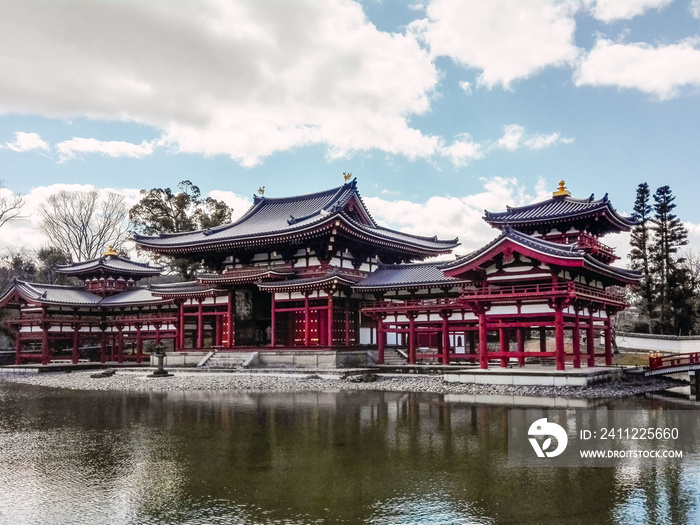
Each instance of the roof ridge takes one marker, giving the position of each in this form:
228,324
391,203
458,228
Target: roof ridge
332,191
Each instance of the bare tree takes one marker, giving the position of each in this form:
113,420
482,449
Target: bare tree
82,225
10,207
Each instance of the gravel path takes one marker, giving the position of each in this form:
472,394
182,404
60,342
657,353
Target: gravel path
266,382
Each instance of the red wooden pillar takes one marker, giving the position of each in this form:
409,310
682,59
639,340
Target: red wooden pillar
220,328
483,342
521,346
307,321
120,344
608,343
347,322
576,336
504,345
445,338
330,319
139,344
411,339
273,322
200,324
18,347
103,347
45,350
76,343
181,327
560,355
231,316
381,340
590,349
543,339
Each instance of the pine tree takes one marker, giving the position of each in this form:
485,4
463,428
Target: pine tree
640,241
669,235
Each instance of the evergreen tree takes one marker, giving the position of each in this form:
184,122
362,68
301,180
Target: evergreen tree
640,241
161,210
669,235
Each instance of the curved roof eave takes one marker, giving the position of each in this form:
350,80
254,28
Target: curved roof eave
548,250
380,234
621,222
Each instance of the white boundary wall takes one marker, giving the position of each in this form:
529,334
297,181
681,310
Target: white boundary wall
658,343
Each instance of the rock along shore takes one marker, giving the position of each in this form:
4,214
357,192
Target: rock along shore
183,380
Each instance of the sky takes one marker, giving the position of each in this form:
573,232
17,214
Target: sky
441,109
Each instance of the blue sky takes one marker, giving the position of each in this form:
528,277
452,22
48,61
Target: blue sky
440,109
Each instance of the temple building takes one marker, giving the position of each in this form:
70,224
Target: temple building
317,272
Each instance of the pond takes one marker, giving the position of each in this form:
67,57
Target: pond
83,457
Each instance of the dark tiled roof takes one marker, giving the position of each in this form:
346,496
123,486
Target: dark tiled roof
333,276
248,276
55,294
269,217
559,209
406,276
184,288
110,264
560,251
139,295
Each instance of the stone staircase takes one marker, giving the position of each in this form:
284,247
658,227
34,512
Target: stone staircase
229,360
394,357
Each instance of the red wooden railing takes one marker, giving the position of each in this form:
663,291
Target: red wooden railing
516,291
593,246
658,361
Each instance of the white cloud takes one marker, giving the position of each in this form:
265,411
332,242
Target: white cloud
695,8
611,10
68,149
463,150
221,77
659,71
450,217
27,142
466,87
239,204
506,39
514,137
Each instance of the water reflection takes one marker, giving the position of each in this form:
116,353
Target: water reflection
333,457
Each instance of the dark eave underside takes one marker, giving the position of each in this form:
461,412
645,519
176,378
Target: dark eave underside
557,251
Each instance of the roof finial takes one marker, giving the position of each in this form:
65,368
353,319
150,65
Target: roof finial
111,251
347,176
261,190
561,191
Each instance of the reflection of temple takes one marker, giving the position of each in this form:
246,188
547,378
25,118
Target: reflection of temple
316,271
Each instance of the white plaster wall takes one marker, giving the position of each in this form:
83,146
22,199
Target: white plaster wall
658,344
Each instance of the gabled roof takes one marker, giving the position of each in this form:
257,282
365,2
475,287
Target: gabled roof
404,276
55,294
248,276
51,294
136,296
184,289
333,277
567,255
110,265
274,219
562,210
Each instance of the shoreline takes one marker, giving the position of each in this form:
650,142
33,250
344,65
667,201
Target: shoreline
182,380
